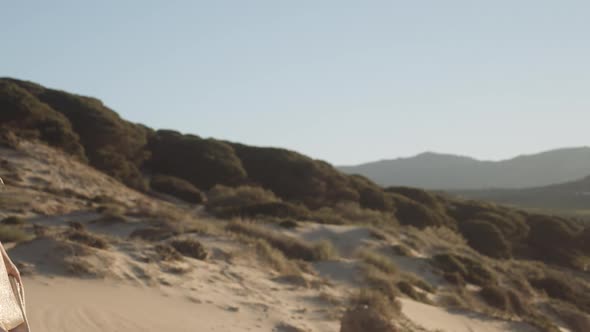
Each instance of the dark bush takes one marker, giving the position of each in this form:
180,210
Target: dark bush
496,297
29,117
153,234
8,139
202,162
289,224
178,188
418,215
12,220
562,288
300,179
417,195
454,278
485,238
191,248
167,253
370,196
409,290
553,239
271,209
511,224
471,270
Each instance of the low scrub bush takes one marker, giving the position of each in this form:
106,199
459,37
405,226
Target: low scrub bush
496,297
566,289
270,209
87,239
178,188
471,270
222,198
418,215
12,220
152,233
167,253
191,248
486,238
574,319
9,233
8,139
455,279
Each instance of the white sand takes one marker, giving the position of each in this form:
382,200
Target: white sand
69,305
436,318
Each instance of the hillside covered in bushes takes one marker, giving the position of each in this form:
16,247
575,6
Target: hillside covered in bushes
239,180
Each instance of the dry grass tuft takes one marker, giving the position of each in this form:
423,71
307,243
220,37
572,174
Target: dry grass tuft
275,258
87,239
375,300
291,247
381,262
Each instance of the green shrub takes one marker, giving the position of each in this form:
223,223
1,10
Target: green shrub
177,187
485,238
191,248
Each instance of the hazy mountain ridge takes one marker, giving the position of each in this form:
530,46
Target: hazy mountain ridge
574,195
443,171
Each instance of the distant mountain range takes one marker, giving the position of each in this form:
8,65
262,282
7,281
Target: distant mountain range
450,172
570,196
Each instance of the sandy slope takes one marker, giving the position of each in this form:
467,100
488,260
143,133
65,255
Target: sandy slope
132,293
84,305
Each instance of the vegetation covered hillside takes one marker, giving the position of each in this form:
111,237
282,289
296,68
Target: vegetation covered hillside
570,197
241,180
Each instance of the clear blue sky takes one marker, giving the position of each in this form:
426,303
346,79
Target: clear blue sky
343,81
